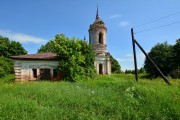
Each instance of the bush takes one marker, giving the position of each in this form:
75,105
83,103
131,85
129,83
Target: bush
76,57
175,73
2,72
161,54
6,66
116,68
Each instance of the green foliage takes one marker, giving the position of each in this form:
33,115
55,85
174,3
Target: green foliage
166,57
16,48
176,55
10,48
115,67
129,71
162,55
116,97
76,57
2,72
4,46
140,71
175,73
9,78
6,66
47,48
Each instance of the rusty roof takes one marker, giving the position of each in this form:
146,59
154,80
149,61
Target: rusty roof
38,56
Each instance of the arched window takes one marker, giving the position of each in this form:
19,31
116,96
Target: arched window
100,38
100,68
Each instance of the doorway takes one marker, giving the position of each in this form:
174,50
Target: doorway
100,69
45,74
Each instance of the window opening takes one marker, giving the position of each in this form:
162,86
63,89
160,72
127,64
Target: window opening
34,73
100,69
100,38
55,73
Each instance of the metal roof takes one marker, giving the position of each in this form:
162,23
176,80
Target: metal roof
38,56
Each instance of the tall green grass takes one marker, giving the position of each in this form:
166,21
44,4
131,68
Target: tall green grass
105,97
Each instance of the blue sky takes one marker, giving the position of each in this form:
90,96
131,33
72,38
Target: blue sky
35,22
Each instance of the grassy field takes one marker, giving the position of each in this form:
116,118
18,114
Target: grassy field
105,97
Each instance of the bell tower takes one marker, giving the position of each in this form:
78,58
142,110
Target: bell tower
97,38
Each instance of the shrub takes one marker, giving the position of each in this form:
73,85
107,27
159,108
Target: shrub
76,57
6,66
2,72
175,73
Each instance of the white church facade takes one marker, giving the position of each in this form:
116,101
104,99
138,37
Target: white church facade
43,65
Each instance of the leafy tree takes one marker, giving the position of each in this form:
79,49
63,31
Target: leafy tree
16,48
175,73
176,54
4,46
128,71
6,66
141,70
10,48
76,57
161,54
116,68
47,48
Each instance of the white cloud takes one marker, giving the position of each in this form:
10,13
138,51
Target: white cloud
128,61
124,59
130,57
124,23
114,16
23,38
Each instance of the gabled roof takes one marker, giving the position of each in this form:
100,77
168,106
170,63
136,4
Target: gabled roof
38,56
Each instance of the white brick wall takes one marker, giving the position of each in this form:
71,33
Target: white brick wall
23,68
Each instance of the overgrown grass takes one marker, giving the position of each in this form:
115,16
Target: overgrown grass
105,97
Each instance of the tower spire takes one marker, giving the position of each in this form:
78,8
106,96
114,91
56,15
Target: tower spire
97,13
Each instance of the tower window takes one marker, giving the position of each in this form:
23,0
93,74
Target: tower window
89,39
100,38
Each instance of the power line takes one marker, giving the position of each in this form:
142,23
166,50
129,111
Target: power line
157,27
157,19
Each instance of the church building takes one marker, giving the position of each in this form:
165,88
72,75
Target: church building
42,66
97,38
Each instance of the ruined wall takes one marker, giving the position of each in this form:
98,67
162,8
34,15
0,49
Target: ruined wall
105,61
94,36
23,68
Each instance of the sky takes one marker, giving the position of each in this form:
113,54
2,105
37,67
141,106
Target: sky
34,22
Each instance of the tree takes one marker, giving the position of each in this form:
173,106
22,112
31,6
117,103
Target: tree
161,54
10,48
116,68
47,48
128,72
76,57
175,73
176,54
16,48
6,66
4,46
141,70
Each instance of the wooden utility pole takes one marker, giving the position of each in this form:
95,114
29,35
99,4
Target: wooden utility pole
134,52
162,75
135,61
